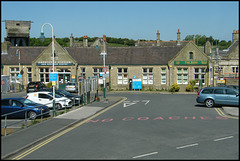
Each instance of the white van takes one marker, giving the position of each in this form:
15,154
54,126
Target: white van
46,98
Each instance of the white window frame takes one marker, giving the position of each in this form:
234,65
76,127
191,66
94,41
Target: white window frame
163,76
44,75
147,75
96,72
14,71
29,74
200,74
182,75
122,77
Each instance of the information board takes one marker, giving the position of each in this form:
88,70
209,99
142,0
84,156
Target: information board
53,76
136,83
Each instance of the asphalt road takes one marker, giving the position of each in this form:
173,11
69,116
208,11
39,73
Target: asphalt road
149,126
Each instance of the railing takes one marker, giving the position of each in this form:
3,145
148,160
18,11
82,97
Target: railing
26,118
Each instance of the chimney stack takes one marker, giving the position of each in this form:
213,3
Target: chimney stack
85,41
235,36
104,49
207,47
178,37
71,40
158,38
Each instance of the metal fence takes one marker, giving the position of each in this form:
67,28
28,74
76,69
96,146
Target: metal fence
85,87
8,86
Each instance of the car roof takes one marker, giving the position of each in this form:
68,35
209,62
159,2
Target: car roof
13,98
40,92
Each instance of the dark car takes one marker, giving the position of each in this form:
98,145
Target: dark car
211,96
35,86
75,99
9,105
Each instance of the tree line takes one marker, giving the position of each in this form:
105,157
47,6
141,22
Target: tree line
200,40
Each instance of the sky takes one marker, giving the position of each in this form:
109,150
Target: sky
125,19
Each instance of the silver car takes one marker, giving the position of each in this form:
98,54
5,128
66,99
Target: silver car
71,87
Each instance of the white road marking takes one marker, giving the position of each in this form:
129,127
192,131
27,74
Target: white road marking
146,101
186,146
127,104
145,155
229,137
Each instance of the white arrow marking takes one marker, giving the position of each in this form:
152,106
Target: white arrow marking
127,104
146,101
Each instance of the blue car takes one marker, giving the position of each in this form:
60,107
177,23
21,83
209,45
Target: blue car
9,105
211,96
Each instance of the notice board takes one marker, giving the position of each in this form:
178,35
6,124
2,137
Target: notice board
136,83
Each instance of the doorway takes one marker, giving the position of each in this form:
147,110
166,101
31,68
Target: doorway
63,78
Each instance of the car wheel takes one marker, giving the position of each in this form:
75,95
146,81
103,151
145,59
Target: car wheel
209,103
32,115
58,106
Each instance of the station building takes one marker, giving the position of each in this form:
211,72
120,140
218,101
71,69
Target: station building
158,64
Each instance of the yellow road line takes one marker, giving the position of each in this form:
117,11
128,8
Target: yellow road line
63,132
223,115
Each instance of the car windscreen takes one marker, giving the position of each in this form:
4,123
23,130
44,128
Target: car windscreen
27,101
56,95
64,92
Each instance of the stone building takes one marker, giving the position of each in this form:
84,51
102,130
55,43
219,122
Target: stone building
226,63
157,66
18,32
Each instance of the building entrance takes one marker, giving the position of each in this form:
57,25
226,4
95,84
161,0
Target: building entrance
63,78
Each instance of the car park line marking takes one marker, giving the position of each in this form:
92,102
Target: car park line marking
146,101
145,155
229,137
186,146
63,132
223,115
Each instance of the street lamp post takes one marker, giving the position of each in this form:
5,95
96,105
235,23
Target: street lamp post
104,78
42,37
18,53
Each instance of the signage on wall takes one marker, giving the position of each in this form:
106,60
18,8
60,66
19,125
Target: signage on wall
190,62
136,83
57,63
53,76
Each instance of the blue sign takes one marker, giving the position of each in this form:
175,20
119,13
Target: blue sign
19,76
137,84
53,77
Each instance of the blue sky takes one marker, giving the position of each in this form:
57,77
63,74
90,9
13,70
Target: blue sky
125,19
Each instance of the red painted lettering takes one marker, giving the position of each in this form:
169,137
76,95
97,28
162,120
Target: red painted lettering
190,117
91,121
205,118
221,118
107,120
174,118
143,118
158,118
128,118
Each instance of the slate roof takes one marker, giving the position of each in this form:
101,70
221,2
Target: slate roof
155,55
225,53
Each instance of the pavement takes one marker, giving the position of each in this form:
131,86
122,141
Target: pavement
25,138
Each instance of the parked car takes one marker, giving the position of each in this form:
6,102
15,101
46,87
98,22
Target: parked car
75,99
71,87
9,105
35,86
46,98
211,96
233,87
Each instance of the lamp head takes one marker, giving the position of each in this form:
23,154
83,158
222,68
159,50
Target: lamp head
42,37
